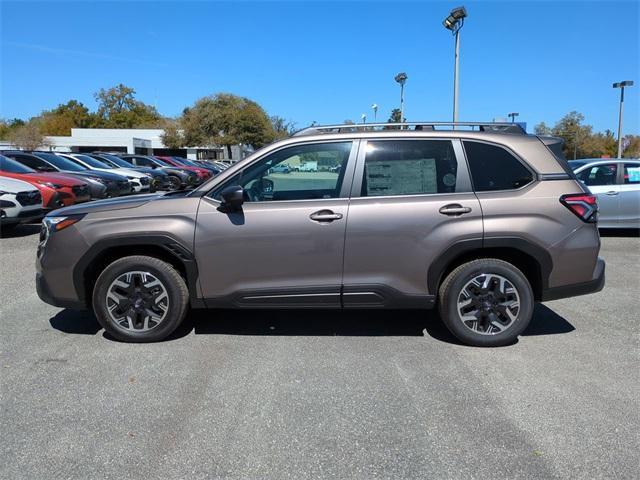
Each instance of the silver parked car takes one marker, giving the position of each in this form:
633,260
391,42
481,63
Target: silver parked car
479,223
616,183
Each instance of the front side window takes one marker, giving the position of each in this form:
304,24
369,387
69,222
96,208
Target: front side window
494,168
409,167
632,173
301,172
599,175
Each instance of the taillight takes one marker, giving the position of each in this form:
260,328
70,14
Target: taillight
583,206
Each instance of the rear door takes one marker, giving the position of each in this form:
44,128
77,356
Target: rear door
630,196
410,199
603,182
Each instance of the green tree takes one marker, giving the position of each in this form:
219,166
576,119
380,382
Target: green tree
172,136
64,117
118,108
396,116
282,128
226,119
542,129
8,126
633,148
574,134
28,136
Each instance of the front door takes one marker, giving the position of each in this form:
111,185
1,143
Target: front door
285,247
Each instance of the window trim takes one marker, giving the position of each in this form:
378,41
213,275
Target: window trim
463,168
534,175
345,188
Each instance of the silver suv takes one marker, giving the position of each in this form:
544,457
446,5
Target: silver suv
478,220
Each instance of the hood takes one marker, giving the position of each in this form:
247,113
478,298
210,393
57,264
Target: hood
118,203
11,185
60,178
98,174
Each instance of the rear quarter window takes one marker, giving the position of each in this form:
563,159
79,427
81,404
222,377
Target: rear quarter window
494,168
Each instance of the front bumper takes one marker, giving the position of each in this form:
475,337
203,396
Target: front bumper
592,286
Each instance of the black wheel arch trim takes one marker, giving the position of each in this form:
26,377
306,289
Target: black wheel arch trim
459,248
170,244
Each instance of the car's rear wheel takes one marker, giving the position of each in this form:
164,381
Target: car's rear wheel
140,299
486,302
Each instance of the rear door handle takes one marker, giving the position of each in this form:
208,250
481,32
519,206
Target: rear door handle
611,192
454,209
325,216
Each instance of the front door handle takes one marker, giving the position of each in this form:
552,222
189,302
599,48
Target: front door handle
454,209
611,192
325,216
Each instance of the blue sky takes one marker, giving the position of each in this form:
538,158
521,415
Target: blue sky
327,61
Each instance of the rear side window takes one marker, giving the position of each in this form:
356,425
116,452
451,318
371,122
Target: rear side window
494,168
599,175
409,167
632,173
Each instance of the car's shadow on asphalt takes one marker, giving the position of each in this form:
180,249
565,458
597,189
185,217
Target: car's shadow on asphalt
23,230
358,323
620,232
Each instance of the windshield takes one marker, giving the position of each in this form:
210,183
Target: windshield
11,166
116,161
59,162
575,164
92,162
162,163
184,161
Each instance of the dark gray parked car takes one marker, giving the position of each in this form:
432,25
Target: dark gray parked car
480,224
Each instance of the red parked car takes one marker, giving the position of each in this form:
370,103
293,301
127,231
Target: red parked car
57,190
203,173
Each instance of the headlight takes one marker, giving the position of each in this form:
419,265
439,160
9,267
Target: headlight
50,185
57,223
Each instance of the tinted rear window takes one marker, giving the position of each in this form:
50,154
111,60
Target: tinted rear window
494,168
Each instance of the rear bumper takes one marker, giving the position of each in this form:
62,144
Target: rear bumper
592,286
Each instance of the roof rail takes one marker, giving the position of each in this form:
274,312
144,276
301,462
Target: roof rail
495,127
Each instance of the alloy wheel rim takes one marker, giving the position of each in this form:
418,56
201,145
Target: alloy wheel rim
174,183
137,301
488,304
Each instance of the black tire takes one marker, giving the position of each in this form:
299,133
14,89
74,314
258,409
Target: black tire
174,183
177,296
451,290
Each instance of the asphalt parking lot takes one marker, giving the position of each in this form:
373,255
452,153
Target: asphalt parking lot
264,394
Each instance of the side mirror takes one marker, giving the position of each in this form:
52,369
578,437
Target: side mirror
232,198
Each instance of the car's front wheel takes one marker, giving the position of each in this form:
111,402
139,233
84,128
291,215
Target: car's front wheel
486,302
140,299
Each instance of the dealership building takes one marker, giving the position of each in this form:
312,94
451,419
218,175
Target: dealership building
146,141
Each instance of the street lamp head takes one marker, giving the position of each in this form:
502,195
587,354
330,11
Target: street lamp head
455,19
626,83
513,114
374,106
401,78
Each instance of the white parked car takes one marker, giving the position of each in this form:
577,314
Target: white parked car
616,182
20,202
141,181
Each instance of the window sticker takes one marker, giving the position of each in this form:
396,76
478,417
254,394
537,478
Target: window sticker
634,174
401,177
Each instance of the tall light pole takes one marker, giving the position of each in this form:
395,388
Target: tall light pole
454,22
401,78
364,118
513,116
621,85
374,107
